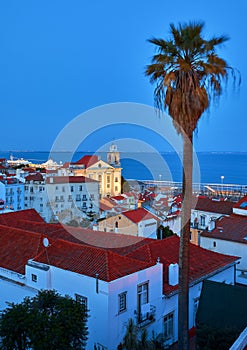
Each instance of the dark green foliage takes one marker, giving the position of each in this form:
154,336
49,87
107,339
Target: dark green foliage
46,321
164,232
134,339
211,338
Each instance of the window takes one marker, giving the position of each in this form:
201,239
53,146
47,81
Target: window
142,291
202,220
116,188
168,326
56,188
81,299
122,305
80,188
91,196
214,244
108,179
72,188
100,178
116,179
84,197
40,189
34,278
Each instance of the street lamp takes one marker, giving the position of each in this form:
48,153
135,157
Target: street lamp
222,180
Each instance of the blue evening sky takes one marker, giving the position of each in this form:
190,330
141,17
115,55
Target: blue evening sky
60,58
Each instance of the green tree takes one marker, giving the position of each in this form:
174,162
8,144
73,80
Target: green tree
164,232
188,74
46,321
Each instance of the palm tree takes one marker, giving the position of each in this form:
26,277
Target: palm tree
188,74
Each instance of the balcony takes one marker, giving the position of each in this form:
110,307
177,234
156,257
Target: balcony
146,317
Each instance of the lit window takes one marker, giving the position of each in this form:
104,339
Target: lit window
34,278
122,299
168,326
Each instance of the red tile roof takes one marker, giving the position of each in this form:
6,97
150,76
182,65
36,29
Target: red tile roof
138,215
240,204
202,262
9,219
229,228
34,177
214,206
89,252
87,161
118,198
68,179
17,247
90,261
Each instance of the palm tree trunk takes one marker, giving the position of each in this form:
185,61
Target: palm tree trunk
183,297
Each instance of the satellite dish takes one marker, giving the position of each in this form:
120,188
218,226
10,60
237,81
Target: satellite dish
45,242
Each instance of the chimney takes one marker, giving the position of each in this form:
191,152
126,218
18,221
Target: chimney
173,274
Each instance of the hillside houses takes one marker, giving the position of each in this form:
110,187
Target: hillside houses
118,276
138,222
61,197
229,236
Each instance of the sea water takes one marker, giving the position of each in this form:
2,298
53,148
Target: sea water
213,167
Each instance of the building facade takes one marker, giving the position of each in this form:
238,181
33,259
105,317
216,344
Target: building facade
107,174
61,197
12,193
137,280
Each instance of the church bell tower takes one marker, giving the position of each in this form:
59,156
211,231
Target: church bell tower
113,156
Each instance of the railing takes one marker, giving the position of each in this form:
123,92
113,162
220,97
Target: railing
207,188
144,320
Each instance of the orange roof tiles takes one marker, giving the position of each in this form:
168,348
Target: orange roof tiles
202,261
34,177
230,228
28,214
17,247
90,261
89,252
138,215
87,161
214,206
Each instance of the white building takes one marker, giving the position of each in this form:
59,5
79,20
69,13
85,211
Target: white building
12,193
123,277
229,236
138,222
61,197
